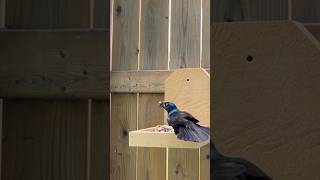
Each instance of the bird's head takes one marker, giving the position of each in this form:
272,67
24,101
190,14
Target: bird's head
168,106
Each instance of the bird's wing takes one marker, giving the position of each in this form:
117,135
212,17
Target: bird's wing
185,115
227,170
190,131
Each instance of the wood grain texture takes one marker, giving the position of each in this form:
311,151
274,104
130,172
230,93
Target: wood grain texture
102,13
315,30
154,34
185,34
306,11
48,14
45,140
123,119
205,56
151,161
249,10
189,89
205,162
54,64
265,96
125,43
138,81
100,142
183,164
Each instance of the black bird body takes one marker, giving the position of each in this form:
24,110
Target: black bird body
184,124
229,168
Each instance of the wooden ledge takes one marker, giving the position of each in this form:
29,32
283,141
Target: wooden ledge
144,138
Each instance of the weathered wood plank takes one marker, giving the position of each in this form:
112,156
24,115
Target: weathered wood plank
48,14
266,96
151,161
205,163
249,10
102,14
138,81
306,11
183,164
44,139
205,52
154,34
123,120
125,43
100,142
54,64
185,34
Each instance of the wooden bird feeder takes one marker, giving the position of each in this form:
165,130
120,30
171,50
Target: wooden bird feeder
189,89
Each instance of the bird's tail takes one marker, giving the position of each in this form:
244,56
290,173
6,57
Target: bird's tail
194,132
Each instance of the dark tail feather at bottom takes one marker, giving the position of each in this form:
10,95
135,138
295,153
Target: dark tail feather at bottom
194,132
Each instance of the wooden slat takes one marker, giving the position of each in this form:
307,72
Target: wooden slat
151,161
2,13
48,14
265,97
100,142
123,120
154,56
1,135
44,139
138,81
306,11
185,52
249,10
205,163
185,33
205,56
125,51
183,164
154,34
54,64
125,42
101,14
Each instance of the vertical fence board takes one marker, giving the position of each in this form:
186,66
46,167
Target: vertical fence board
44,140
47,14
306,11
124,106
101,13
154,53
184,52
123,120
125,35
154,34
185,34
205,163
151,161
249,10
2,13
183,164
99,169
205,56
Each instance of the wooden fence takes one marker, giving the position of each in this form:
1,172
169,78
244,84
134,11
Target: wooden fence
150,38
54,87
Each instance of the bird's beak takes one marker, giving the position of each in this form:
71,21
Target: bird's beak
161,103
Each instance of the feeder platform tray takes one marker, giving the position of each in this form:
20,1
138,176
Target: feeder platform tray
160,136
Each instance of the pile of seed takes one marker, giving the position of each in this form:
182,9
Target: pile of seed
161,128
